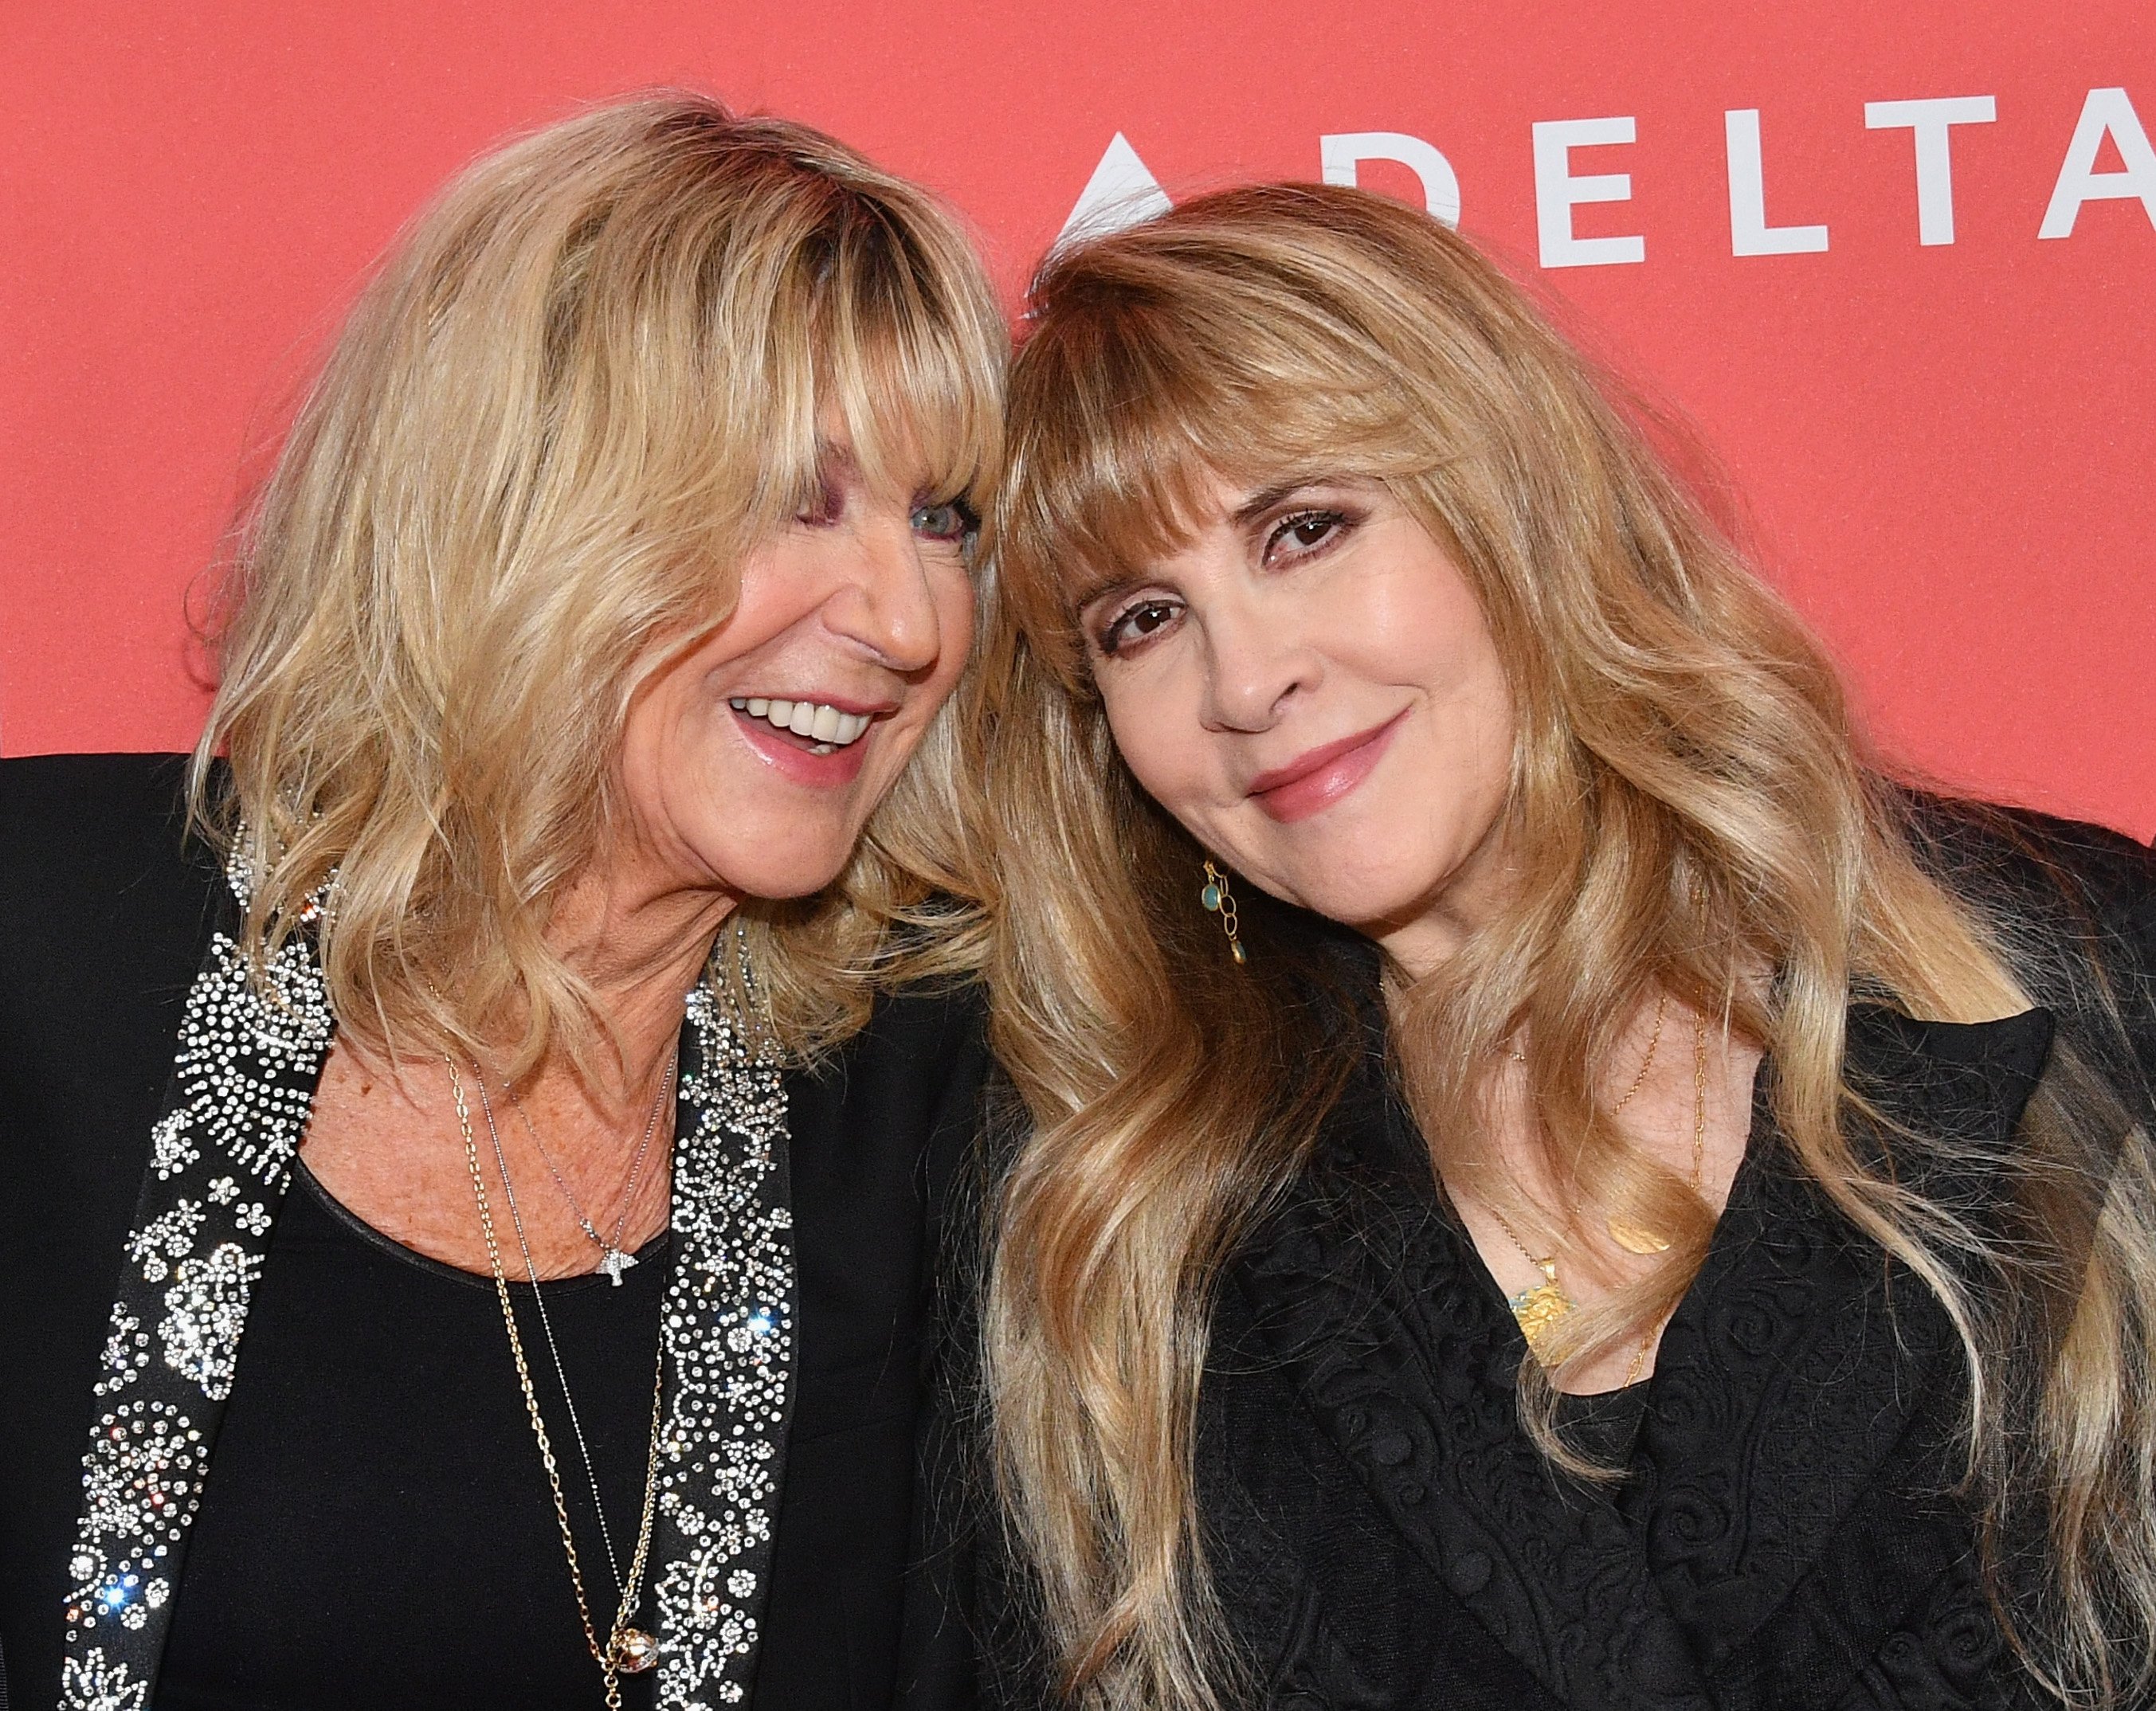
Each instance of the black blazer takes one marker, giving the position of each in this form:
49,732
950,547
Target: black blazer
1383,1536
106,914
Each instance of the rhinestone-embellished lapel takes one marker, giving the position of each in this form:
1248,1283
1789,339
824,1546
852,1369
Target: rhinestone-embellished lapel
249,1055
249,1059
729,1314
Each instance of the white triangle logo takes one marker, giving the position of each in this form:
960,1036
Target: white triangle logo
1120,192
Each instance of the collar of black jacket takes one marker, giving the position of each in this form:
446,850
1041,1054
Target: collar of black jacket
1783,1502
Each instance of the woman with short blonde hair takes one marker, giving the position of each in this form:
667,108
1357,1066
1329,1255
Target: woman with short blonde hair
487,1067
1436,876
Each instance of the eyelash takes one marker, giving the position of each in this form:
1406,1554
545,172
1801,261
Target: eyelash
829,504
1109,640
969,524
1337,522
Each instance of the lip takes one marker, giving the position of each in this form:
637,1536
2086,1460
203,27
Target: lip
1319,778
840,767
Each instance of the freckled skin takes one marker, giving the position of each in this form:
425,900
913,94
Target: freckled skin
869,603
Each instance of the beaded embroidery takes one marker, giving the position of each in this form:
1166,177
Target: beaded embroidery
248,1057
729,1330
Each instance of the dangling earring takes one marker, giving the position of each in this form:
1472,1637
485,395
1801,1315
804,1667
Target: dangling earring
1220,901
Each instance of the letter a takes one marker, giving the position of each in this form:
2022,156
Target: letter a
1120,192
2106,113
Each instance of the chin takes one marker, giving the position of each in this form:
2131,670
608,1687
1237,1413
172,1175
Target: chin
782,881
1363,901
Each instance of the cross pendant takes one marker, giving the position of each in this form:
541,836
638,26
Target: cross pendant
614,1263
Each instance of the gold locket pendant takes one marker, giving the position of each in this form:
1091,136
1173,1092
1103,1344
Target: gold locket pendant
1540,1310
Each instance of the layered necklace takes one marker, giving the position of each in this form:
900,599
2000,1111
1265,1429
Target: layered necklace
627,1649
1540,1311
615,1259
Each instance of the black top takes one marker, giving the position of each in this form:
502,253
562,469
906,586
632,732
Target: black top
376,1480
375,1527
1382,1534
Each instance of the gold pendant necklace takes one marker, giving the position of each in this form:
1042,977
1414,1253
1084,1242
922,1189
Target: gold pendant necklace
629,1650
1540,1311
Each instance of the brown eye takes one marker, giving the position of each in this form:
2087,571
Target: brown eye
1136,623
1305,532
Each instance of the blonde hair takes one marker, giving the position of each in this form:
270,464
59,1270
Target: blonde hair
590,377
1689,805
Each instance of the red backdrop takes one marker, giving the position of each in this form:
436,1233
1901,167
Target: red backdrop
1945,446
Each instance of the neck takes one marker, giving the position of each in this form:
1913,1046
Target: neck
1431,933
640,946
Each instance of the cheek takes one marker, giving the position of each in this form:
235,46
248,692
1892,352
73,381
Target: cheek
954,627
1163,747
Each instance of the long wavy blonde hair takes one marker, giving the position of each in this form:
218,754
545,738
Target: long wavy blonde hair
591,375
1690,806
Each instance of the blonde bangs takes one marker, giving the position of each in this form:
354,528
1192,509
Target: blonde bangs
917,379
1135,404
605,364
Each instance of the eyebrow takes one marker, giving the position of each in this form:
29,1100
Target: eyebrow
1114,588
836,460
1266,498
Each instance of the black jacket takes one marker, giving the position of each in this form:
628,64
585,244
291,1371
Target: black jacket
1381,1534
107,917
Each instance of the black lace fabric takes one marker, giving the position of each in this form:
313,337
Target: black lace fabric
1384,1534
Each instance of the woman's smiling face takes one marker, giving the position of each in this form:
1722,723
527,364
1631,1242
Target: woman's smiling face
1309,686
752,759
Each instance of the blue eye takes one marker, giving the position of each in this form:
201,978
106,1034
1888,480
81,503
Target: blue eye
946,520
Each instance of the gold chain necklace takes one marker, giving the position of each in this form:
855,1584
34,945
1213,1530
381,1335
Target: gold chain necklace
628,1650
1540,1311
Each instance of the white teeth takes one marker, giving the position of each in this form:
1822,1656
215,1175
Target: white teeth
828,726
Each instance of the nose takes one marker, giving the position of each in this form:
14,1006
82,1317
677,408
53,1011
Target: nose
885,601
1254,665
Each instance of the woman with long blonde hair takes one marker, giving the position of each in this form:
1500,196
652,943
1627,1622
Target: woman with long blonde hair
466,1163
1548,1180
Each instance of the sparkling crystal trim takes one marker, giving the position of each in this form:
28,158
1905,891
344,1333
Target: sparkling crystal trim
249,1052
249,1055
729,1331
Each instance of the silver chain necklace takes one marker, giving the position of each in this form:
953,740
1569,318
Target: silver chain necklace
546,1327
628,1650
614,1258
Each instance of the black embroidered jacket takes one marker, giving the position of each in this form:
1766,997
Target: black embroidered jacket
151,1103
1383,1535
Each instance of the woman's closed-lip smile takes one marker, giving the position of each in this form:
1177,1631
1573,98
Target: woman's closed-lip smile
1318,778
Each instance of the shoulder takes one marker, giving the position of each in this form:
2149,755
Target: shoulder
1983,844
2043,879
913,1075
71,820
2074,907
103,891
